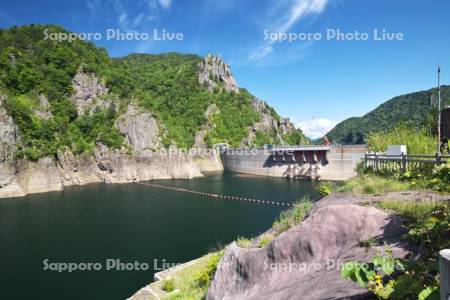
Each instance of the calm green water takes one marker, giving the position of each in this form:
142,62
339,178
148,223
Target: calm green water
129,222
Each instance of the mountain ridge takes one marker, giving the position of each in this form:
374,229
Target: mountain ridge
414,109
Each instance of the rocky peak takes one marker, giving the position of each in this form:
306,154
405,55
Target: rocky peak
214,73
90,93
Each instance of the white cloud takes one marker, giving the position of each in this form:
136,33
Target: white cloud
128,21
165,3
285,15
261,52
317,127
123,19
138,20
93,6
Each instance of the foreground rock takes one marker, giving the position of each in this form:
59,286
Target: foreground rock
304,262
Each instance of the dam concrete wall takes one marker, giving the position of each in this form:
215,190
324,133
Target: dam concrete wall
339,163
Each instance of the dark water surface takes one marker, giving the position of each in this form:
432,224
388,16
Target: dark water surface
130,222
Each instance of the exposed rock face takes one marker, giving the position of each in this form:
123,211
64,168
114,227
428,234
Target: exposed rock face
77,170
209,124
301,263
140,128
212,69
25,177
43,111
90,93
286,126
267,123
119,167
9,133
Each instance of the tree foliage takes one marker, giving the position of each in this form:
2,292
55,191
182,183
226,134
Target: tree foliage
417,140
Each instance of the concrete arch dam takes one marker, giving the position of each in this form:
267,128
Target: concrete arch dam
316,162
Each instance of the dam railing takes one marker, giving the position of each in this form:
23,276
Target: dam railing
403,162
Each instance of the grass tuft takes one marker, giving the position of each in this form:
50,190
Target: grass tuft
412,210
293,216
243,242
371,184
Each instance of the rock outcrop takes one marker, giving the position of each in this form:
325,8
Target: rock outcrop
43,111
267,123
9,133
118,167
305,262
140,129
215,74
25,177
90,93
209,124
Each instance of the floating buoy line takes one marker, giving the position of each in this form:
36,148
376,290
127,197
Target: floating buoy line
212,195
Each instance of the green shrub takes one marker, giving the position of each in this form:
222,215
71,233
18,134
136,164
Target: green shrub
417,140
291,217
389,278
205,277
264,242
441,178
168,285
326,188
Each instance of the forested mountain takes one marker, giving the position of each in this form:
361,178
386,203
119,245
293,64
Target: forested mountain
416,109
72,95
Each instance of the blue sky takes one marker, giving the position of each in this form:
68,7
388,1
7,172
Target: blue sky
315,83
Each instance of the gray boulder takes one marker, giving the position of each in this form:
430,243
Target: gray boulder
305,262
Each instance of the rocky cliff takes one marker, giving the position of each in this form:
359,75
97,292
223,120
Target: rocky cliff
90,93
141,158
139,128
269,123
9,133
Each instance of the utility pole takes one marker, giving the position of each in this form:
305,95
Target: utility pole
439,110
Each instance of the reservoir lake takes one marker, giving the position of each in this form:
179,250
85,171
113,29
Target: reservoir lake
128,222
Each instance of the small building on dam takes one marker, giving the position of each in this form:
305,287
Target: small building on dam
316,162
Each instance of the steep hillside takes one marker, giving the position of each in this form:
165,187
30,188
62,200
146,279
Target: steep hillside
71,95
414,109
